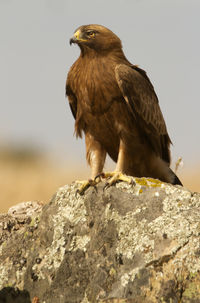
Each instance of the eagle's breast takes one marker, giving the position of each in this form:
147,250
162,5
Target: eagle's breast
95,86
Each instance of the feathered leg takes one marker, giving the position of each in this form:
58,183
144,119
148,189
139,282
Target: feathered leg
95,155
121,168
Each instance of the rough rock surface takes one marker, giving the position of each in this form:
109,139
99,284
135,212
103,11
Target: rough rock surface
124,244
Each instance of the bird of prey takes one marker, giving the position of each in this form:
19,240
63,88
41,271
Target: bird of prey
114,104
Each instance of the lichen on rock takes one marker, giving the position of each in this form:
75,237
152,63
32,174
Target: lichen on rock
124,244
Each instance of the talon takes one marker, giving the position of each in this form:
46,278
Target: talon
95,188
101,175
105,186
85,185
132,182
115,177
77,192
80,192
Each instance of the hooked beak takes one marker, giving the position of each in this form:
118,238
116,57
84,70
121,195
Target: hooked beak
77,37
72,40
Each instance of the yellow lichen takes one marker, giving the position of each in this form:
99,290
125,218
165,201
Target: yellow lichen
34,221
141,181
112,272
149,182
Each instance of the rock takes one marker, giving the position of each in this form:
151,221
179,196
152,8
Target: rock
25,209
124,244
18,217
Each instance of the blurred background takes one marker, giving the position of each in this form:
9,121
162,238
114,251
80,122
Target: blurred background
38,152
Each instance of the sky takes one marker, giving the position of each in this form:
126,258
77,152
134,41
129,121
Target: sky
161,36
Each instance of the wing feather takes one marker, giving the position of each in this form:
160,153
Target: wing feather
72,100
139,94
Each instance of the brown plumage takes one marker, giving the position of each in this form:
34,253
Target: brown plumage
114,104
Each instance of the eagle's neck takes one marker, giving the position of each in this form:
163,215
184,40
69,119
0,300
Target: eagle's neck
115,53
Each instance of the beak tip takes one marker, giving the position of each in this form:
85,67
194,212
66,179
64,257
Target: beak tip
71,41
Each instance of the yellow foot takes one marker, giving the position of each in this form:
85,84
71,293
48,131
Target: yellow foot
115,177
85,184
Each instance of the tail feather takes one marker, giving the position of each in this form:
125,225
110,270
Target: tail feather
176,180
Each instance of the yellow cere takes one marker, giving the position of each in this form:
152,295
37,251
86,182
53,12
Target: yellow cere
77,34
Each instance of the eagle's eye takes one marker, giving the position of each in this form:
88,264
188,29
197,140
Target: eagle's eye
90,34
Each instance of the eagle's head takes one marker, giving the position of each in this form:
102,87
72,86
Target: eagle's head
96,37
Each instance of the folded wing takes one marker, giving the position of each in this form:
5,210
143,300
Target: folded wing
142,101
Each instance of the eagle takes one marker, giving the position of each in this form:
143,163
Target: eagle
115,106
